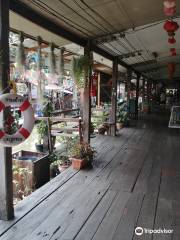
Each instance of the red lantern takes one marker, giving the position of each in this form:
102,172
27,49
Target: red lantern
173,51
94,80
171,67
171,26
170,12
169,3
172,40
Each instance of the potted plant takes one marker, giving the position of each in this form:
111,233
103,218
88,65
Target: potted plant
81,67
81,155
122,116
54,169
64,163
42,130
122,120
92,128
42,127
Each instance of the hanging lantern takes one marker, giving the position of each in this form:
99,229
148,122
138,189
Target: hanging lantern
173,51
170,26
172,40
20,54
171,67
40,87
61,66
52,59
94,81
170,12
169,3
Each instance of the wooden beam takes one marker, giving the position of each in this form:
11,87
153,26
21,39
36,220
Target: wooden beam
6,186
27,12
114,97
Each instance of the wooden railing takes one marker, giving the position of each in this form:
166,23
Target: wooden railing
65,131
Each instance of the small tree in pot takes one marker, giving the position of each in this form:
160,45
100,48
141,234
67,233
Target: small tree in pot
82,155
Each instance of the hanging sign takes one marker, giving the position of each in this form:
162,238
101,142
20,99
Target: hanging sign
17,101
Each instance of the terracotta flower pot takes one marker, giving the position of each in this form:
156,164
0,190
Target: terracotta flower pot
119,125
63,167
78,163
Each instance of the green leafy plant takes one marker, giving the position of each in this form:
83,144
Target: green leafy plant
42,130
42,127
82,151
58,159
122,113
81,68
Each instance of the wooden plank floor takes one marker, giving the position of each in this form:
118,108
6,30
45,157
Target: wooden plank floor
134,183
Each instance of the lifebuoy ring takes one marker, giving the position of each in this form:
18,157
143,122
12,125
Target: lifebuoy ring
14,100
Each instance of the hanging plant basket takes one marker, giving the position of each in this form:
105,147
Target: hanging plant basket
81,69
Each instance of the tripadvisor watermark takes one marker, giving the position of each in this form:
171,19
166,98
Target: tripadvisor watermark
139,231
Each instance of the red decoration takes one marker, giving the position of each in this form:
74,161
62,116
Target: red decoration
170,12
171,34
172,40
171,67
170,3
173,51
94,85
171,26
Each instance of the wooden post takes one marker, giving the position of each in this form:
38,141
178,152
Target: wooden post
114,97
148,91
99,90
86,100
143,91
128,87
6,186
137,95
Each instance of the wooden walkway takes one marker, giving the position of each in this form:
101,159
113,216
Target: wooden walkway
135,182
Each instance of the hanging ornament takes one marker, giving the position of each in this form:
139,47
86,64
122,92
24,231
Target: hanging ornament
173,51
94,82
170,26
61,66
172,40
171,34
170,12
40,87
171,67
20,54
170,8
170,3
52,60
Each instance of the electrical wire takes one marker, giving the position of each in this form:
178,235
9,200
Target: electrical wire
102,18
65,4
64,19
97,14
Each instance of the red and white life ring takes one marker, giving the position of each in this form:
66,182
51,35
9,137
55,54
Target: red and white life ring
14,100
